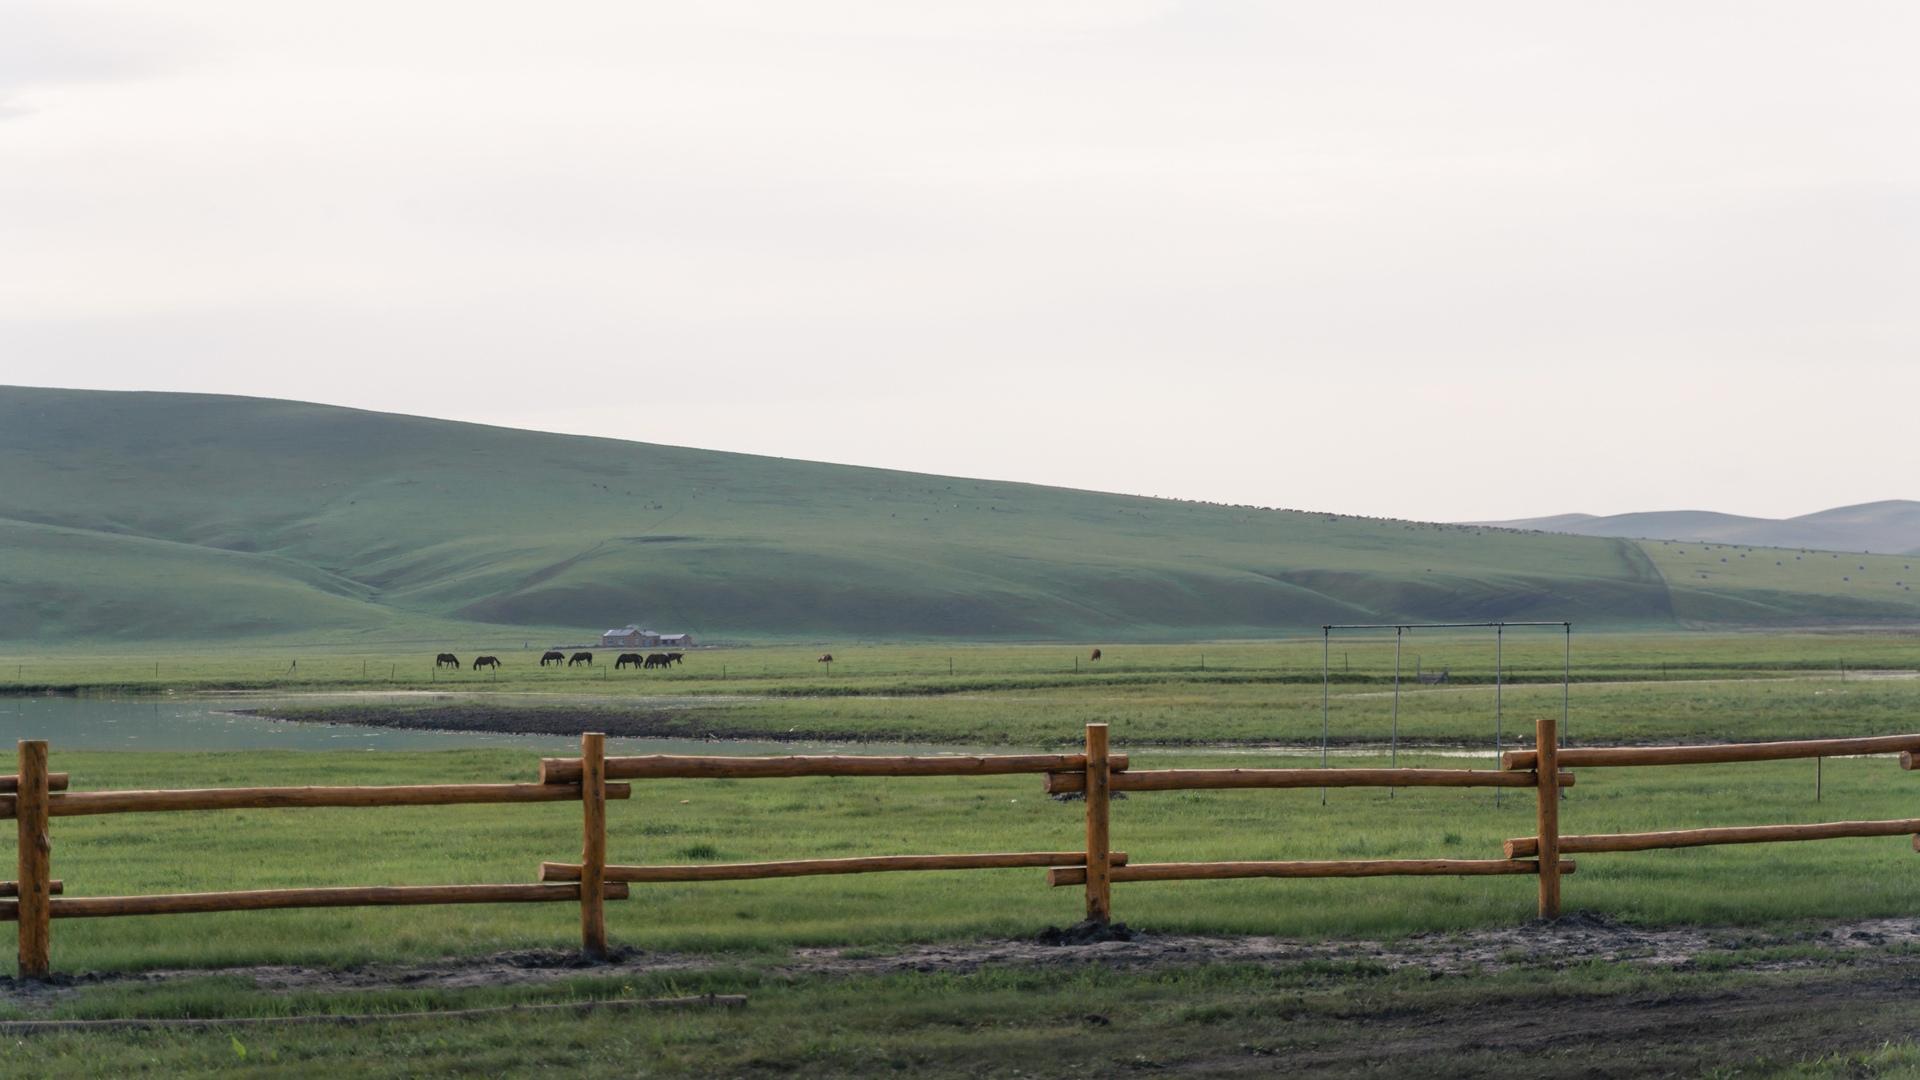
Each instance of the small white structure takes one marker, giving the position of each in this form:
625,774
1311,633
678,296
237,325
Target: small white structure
636,637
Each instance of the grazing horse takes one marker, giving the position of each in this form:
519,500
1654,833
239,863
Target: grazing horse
447,659
655,660
1095,656
486,661
674,658
551,657
626,658
825,658
580,658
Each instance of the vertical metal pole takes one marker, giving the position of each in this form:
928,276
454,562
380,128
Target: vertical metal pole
1099,874
1393,752
1499,670
1566,690
1326,676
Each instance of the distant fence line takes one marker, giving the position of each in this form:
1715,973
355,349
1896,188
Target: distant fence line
35,795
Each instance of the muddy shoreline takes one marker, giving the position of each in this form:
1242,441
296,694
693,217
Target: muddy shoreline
713,722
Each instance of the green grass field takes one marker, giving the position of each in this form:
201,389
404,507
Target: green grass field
729,821
1164,710
134,518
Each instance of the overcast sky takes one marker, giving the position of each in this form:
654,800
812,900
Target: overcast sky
1445,261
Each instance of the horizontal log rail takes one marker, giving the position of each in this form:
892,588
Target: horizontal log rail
349,896
56,781
1720,753
1063,783
787,868
1331,868
1525,847
34,796
720,767
83,803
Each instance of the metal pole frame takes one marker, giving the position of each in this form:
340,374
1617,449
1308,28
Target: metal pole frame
1326,697
1499,681
1393,747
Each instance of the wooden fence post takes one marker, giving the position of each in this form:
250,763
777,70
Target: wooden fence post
593,848
1547,788
1099,877
36,850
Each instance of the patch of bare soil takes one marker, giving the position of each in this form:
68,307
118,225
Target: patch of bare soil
1747,1029
1576,939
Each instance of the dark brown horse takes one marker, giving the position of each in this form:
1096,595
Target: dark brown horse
551,657
626,658
580,658
486,662
674,658
825,658
1095,656
447,659
655,660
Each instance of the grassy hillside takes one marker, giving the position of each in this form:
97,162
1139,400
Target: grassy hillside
1892,525
132,516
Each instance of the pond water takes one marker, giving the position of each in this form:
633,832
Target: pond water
186,722
211,722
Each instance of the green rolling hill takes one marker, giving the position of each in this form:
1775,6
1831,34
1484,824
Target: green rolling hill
138,517
1892,525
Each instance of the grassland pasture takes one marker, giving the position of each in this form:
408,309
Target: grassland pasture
1768,910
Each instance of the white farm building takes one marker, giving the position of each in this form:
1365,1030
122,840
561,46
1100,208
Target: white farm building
635,637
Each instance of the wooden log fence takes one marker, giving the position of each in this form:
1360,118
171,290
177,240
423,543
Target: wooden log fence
1719,753
33,796
785,868
1062,783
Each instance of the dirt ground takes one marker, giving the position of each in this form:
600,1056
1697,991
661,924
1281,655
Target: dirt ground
1576,939
1799,995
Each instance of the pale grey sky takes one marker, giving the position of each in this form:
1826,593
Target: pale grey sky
1447,261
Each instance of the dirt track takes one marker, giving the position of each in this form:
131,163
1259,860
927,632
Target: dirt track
1572,940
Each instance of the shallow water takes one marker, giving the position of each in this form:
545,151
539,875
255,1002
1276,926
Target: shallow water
208,722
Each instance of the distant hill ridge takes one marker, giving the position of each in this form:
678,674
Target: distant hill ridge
1891,526
145,517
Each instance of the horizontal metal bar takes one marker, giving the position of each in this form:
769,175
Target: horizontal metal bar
1436,625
